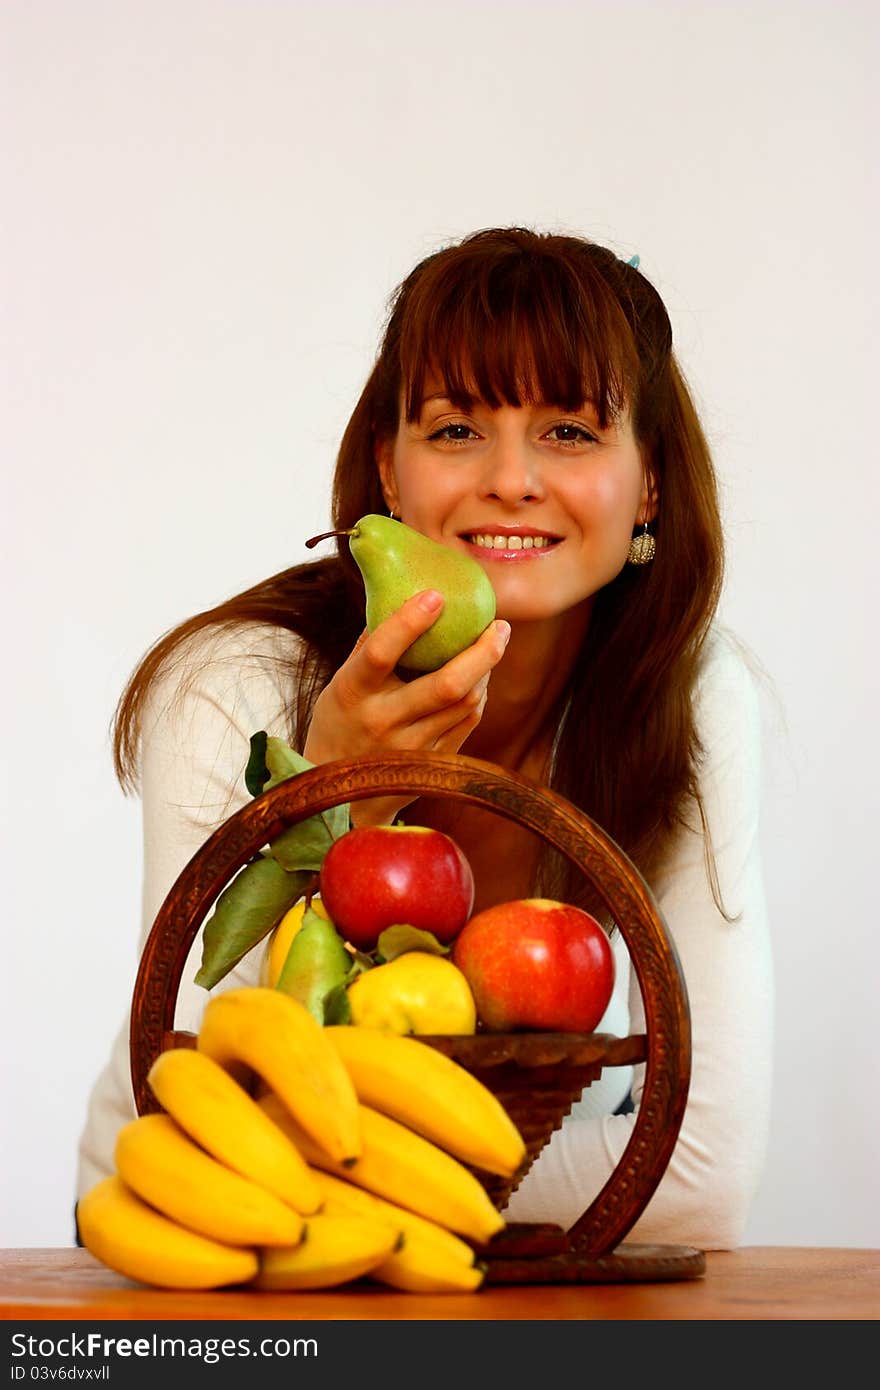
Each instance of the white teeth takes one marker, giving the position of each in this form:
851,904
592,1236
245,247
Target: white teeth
510,542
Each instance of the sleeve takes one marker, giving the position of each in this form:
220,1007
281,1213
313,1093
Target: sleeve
705,1195
194,751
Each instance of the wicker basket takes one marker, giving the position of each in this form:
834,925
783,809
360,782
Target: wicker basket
537,1076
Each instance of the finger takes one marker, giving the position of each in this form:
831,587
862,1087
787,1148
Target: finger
374,660
452,740
425,733
452,682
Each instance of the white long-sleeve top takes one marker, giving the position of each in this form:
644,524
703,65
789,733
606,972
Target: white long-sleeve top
194,752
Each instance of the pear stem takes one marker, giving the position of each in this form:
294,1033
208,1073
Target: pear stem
325,536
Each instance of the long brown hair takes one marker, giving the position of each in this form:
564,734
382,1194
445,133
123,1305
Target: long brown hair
525,316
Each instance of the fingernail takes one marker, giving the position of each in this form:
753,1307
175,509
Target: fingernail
431,600
503,630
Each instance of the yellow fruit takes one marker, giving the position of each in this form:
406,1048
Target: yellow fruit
278,1037
432,1094
400,1165
165,1168
279,942
131,1238
340,1195
335,1250
416,992
220,1116
420,1266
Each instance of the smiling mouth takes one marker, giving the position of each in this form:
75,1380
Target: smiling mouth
490,540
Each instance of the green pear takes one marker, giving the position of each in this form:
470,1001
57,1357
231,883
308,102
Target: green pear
397,562
316,964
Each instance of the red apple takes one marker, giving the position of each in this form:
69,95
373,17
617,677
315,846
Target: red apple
538,964
379,876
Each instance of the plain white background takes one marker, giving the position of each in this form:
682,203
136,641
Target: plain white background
207,204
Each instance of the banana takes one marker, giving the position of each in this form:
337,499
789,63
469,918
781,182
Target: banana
420,1266
165,1168
432,1094
429,1259
405,1168
220,1115
336,1250
344,1196
277,1036
139,1243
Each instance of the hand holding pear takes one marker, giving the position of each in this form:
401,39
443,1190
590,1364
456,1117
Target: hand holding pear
368,708
396,563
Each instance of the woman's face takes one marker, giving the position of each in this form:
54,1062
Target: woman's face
543,498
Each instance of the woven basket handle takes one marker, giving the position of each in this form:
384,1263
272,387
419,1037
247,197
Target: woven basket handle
618,883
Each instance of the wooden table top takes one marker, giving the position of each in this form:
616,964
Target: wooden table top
756,1282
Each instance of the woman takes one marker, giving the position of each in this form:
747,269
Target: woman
525,408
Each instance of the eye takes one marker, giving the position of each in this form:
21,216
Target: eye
567,432
453,434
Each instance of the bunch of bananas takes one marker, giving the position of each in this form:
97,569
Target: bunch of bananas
291,1156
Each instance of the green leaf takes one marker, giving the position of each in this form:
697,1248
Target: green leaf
271,761
302,846
256,774
396,941
246,911
316,964
337,1007
282,762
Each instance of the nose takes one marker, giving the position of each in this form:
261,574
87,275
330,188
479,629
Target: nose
511,472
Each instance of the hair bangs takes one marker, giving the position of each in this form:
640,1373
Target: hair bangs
514,331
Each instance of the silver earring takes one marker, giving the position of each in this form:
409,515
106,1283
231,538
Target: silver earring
391,515
642,547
